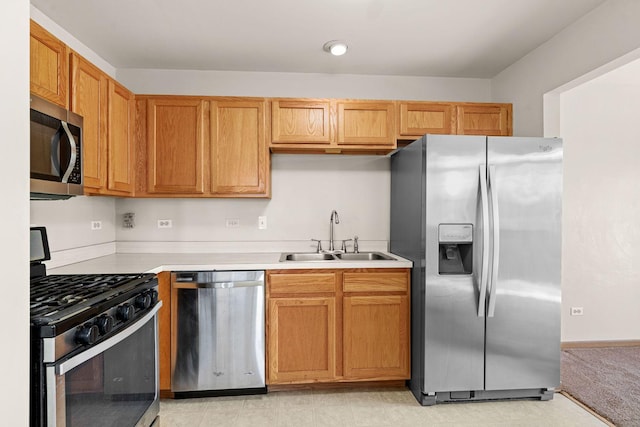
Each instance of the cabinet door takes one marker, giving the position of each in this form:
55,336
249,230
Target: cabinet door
366,123
301,340
376,337
419,118
175,146
239,153
300,122
49,66
89,99
120,117
487,119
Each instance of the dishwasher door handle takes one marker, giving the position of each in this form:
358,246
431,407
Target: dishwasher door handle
218,285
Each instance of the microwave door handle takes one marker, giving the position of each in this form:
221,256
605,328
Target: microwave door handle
55,151
72,157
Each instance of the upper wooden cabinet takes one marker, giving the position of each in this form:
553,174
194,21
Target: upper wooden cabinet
202,147
484,119
300,122
332,126
120,161
176,145
418,118
366,123
49,66
107,144
89,98
239,159
454,118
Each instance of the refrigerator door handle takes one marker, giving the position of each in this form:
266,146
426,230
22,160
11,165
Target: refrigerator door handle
496,240
484,274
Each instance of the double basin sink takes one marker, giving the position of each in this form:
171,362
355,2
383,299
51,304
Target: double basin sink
313,256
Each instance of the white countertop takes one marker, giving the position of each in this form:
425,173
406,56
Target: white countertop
157,262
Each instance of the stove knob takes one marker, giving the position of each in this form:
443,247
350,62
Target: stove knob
87,334
125,312
143,301
154,296
104,324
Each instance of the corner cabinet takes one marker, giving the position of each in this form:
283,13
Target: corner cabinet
337,325
107,111
49,66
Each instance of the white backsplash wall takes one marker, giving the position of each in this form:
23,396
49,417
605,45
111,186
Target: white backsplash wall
305,189
69,230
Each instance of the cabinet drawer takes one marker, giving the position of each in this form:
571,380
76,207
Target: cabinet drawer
307,283
376,282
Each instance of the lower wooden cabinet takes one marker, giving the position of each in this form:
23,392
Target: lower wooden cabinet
337,325
301,339
164,332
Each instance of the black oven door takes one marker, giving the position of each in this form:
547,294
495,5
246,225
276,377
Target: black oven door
113,383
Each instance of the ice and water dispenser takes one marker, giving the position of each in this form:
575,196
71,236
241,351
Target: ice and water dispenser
455,243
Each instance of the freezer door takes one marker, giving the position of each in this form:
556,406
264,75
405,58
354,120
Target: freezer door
523,315
454,332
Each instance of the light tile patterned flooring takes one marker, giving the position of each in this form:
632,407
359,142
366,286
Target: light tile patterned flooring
366,408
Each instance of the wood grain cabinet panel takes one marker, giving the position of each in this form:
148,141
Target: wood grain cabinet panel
89,98
366,123
164,331
121,149
239,154
484,119
301,122
49,66
376,337
364,311
418,118
175,145
301,339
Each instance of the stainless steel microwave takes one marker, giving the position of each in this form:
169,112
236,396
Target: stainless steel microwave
56,151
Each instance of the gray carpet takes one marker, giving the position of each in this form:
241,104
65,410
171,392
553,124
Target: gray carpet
606,380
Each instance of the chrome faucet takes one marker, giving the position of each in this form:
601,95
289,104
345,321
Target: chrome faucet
334,216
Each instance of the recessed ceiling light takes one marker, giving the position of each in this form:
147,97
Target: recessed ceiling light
335,47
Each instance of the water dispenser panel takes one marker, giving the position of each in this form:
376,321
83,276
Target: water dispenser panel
455,248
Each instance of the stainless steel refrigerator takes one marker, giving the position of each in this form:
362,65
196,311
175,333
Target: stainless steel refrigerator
480,217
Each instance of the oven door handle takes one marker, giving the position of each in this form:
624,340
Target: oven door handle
92,352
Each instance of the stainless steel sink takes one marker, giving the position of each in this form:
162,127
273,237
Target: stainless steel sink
306,257
364,256
309,256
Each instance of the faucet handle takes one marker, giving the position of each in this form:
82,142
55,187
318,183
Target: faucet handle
355,245
344,244
319,248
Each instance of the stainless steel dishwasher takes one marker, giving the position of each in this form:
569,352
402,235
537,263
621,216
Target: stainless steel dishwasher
218,335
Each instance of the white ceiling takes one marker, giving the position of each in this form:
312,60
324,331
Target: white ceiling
447,38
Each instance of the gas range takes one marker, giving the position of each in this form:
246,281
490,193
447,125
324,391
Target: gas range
94,346
82,310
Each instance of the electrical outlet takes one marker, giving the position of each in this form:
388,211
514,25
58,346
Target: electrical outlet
165,223
96,225
577,311
232,222
262,223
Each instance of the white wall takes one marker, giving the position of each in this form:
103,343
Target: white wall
307,85
606,33
601,230
14,215
305,190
